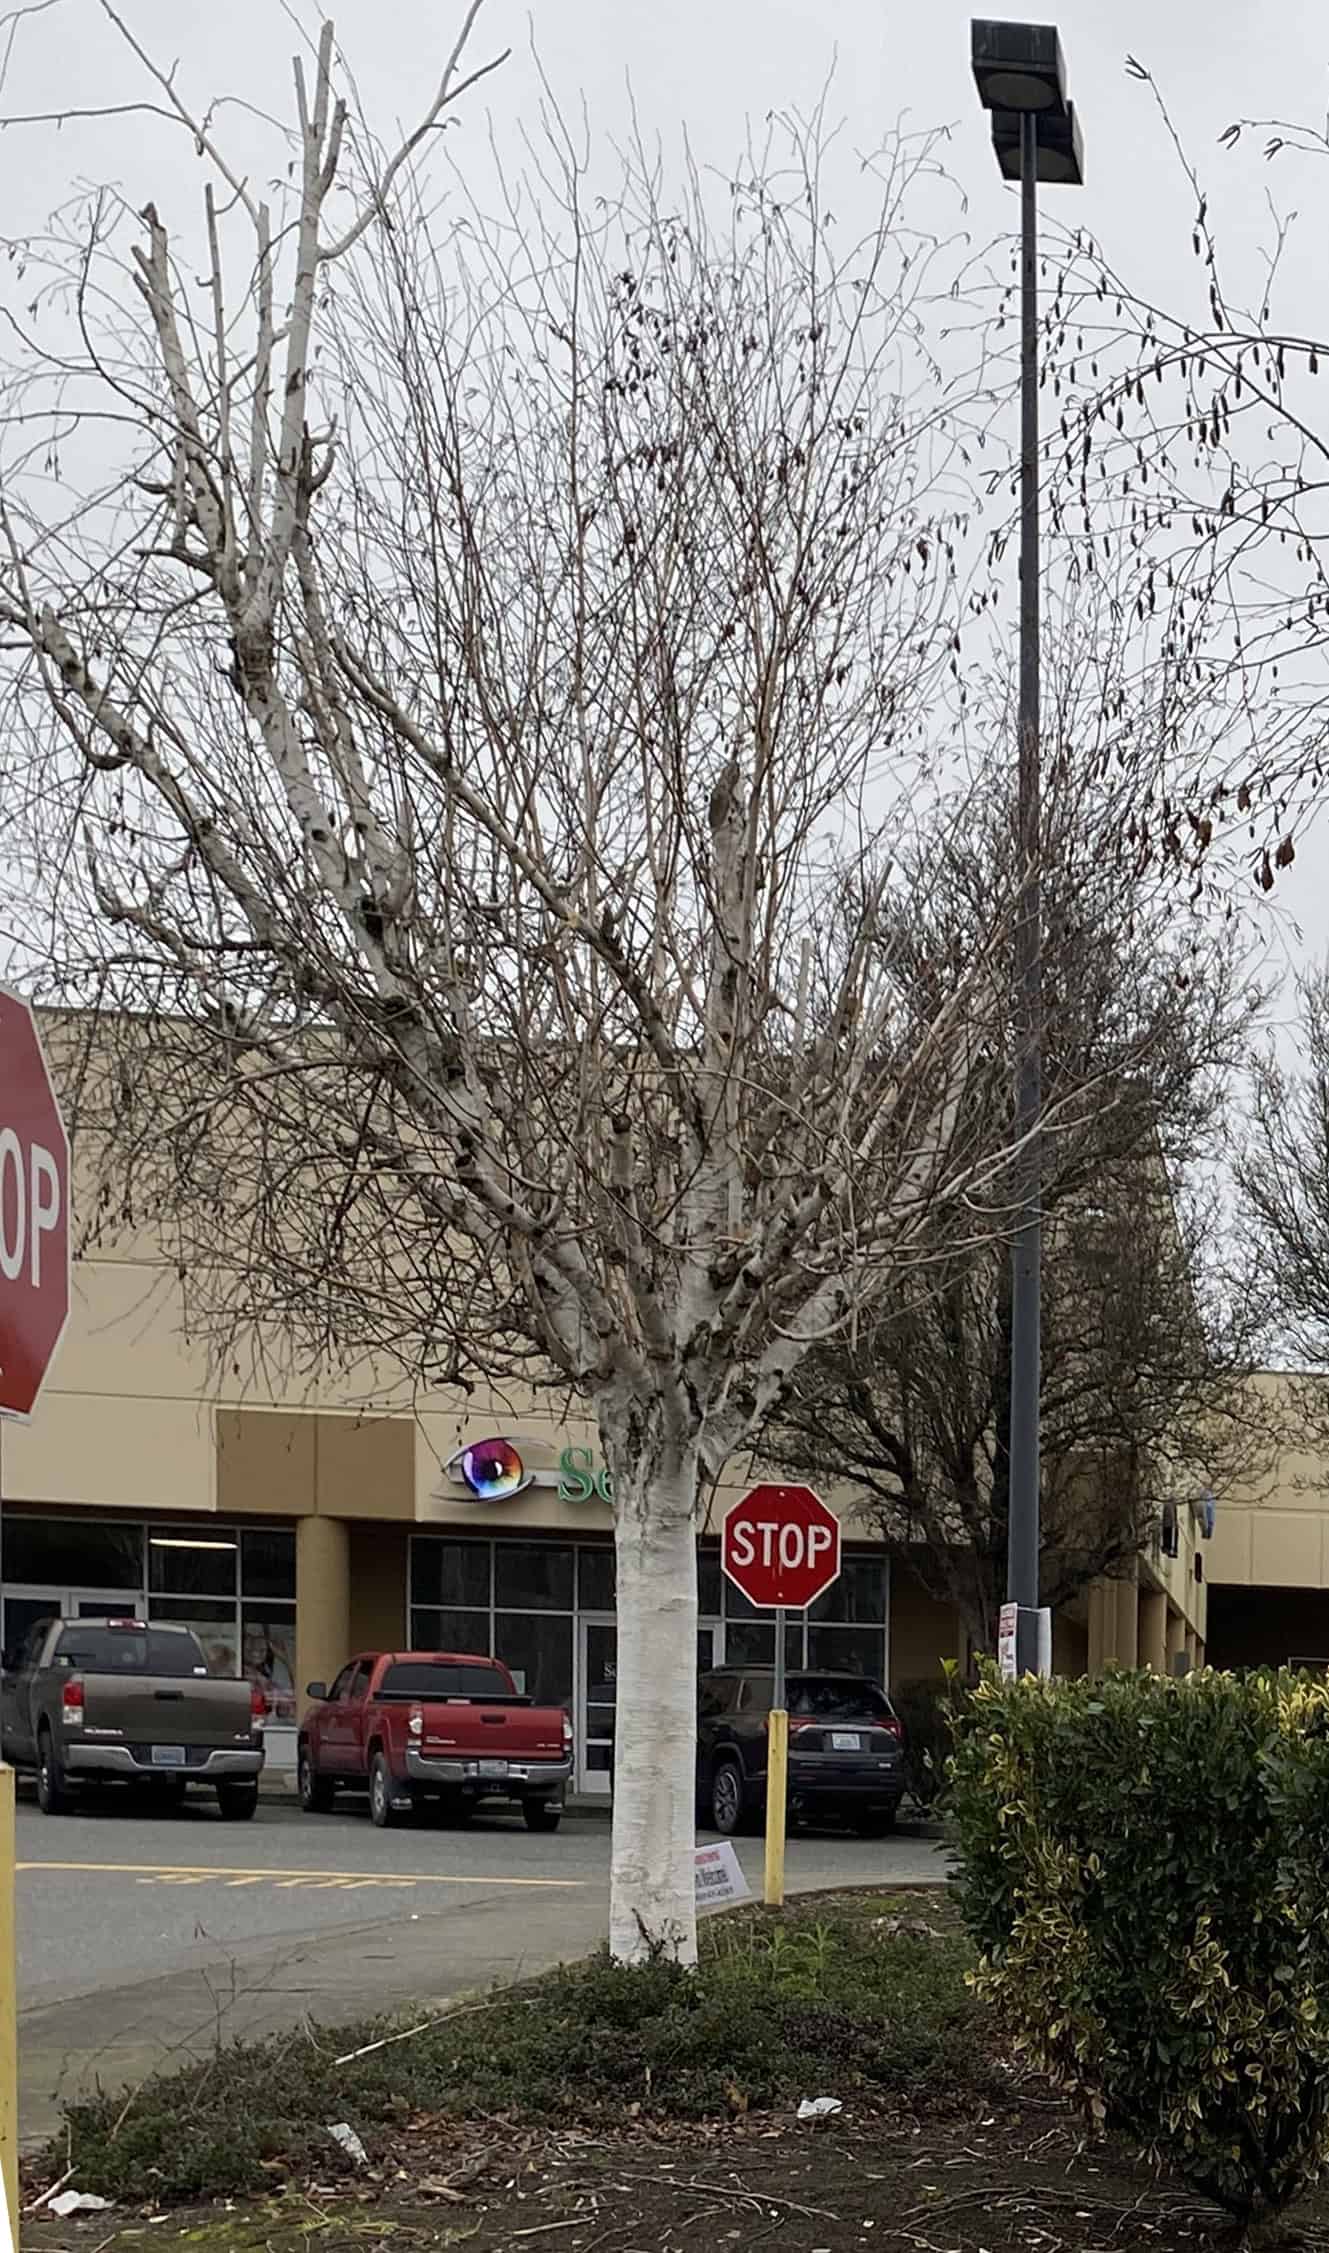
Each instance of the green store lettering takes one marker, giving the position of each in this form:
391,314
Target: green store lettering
578,1479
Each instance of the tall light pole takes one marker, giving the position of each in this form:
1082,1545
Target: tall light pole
1022,83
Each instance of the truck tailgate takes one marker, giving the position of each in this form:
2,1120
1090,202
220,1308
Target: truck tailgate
167,1709
497,1732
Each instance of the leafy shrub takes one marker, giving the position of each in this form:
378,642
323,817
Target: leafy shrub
1145,1870
930,1711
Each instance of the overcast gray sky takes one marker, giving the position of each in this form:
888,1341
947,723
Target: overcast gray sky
712,66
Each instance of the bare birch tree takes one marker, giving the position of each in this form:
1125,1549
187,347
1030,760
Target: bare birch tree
468,689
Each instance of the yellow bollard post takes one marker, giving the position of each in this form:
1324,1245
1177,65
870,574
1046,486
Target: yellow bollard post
8,2018
777,1785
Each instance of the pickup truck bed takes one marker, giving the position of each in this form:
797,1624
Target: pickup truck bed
125,1701
444,1726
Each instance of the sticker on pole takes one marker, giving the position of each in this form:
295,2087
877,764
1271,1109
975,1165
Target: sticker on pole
718,1877
1008,1642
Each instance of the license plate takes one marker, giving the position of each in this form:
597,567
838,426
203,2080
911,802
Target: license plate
168,1756
846,1740
493,1767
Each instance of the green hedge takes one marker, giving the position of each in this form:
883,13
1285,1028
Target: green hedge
1145,1871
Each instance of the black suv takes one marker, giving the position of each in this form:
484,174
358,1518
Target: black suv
846,1749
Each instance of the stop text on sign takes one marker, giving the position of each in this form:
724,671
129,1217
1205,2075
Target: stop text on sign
781,1546
792,1547
31,1207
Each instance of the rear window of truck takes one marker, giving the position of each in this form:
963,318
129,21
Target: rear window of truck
127,1650
422,1679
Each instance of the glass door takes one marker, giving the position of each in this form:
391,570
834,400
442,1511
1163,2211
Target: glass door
94,1603
598,1698
24,1606
598,1676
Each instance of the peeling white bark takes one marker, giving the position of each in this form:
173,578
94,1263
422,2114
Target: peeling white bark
651,1909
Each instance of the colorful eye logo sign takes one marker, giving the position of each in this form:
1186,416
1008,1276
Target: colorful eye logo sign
492,1469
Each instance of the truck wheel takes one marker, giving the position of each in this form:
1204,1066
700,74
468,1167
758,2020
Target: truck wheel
237,1802
729,1814
52,1790
382,1813
879,1822
316,1792
542,1814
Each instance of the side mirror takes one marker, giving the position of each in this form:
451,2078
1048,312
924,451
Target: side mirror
317,1691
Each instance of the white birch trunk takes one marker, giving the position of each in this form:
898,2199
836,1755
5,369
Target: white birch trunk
651,1909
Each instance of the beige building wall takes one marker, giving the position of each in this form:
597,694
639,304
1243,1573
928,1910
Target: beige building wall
378,1569
323,1599
137,1419
925,1634
1273,1532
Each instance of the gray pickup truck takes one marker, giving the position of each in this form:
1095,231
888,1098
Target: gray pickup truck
120,1700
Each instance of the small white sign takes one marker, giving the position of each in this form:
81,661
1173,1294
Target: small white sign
1008,1634
719,1877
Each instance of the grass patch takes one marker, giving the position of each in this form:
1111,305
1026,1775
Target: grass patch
849,1996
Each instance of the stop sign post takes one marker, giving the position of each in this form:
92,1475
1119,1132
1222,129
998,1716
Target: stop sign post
780,1546
34,1308
34,1211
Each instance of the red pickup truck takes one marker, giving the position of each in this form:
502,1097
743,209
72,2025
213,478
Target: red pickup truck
416,1726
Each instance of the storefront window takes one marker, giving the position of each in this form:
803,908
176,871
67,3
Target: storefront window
538,1650
267,1650
710,1586
736,1605
234,1587
749,1643
451,1573
212,1620
184,1562
530,1576
70,1553
847,1650
858,1595
267,1563
550,1644
435,1630
595,1580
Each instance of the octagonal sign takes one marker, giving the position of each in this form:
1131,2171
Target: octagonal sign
781,1546
34,1211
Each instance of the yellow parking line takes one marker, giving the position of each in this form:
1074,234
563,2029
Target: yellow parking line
222,1873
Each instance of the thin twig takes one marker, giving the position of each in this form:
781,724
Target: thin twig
53,2192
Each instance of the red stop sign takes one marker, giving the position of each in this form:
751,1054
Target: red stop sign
781,1546
34,1211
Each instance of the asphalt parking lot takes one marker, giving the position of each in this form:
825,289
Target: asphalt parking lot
143,1938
